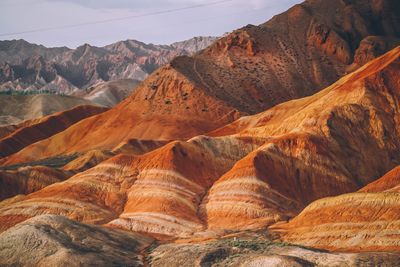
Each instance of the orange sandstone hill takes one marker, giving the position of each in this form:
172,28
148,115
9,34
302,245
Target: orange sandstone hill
363,221
293,55
389,181
27,180
249,174
32,131
334,141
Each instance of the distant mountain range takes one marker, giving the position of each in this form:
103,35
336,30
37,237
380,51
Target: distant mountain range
27,66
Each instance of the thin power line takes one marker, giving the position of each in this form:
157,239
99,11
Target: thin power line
97,37
114,19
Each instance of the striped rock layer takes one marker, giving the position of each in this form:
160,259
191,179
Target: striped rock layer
87,160
26,180
293,55
35,130
364,221
333,142
389,182
158,192
247,175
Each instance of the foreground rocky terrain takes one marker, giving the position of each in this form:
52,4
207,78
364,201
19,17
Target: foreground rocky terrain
235,156
50,240
248,249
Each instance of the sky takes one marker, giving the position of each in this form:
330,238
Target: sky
72,23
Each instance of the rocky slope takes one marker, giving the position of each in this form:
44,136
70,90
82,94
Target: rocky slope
28,107
35,130
109,93
26,180
318,146
50,240
25,66
251,249
249,70
367,220
250,174
195,44
88,160
390,181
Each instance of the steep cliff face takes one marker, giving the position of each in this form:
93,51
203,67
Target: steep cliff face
249,174
298,52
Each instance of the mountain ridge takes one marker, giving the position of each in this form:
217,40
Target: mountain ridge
26,66
243,73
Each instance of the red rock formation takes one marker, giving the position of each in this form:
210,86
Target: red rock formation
368,220
36,130
330,143
126,188
138,118
258,170
139,146
88,160
27,180
389,182
256,67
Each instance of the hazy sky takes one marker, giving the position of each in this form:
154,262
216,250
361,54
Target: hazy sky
100,22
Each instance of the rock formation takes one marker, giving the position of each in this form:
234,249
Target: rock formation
50,240
250,174
248,249
35,130
232,156
26,180
390,181
333,142
88,160
368,220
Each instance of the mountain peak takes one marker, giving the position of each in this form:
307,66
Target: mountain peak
86,65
